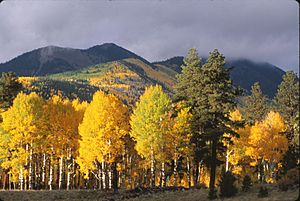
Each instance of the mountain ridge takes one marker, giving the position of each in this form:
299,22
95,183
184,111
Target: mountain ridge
52,59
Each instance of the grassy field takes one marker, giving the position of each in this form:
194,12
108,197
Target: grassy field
184,195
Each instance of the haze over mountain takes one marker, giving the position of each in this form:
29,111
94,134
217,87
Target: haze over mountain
244,73
51,60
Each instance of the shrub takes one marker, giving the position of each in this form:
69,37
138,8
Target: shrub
289,180
212,194
293,174
247,183
284,184
263,192
227,187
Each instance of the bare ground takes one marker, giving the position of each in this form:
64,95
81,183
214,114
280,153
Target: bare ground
182,195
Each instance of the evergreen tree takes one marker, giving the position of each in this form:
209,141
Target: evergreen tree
255,105
219,94
287,104
189,89
9,88
210,94
189,78
247,183
227,185
287,101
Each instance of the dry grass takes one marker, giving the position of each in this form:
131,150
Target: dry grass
201,195
190,195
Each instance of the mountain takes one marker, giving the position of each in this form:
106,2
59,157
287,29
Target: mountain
113,68
53,59
173,63
244,73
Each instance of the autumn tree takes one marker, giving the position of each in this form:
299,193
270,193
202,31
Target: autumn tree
267,145
147,125
5,151
178,135
105,123
62,136
23,122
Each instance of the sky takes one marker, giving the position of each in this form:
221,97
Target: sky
260,30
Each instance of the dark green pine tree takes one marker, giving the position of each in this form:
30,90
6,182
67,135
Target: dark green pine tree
219,94
9,88
287,104
189,77
189,89
255,105
287,101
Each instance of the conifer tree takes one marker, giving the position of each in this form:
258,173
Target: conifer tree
255,105
220,94
287,104
210,94
287,101
189,88
9,88
189,78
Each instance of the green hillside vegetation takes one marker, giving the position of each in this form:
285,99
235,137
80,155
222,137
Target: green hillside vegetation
125,78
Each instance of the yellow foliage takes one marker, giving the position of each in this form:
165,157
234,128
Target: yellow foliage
266,140
104,125
26,81
62,121
23,124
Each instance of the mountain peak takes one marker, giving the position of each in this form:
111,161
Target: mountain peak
54,59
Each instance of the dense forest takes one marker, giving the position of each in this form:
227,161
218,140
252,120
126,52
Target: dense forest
207,133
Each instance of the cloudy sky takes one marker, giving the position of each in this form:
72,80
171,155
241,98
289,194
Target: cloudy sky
262,30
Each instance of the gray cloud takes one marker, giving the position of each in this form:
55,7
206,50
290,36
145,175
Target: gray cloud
262,30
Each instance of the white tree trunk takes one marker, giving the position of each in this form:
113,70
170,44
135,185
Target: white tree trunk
110,177
21,179
227,162
152,182
175,171
163,178
30,169
188,171
103,174
44,170
69,169
50,175
26,164
130,172
61,163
